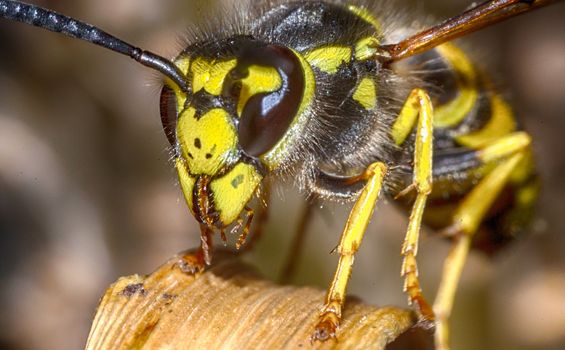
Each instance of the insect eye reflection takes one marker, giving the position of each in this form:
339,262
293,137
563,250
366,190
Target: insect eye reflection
266,116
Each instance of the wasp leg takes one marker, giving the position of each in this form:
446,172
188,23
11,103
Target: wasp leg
506,153
294,254
249,213
195,263
260,218
351,237
205,251
418,105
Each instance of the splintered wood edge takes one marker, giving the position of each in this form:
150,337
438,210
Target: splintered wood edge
228,306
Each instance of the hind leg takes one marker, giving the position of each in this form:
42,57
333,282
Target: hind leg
507,153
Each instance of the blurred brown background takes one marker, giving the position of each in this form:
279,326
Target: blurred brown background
88,194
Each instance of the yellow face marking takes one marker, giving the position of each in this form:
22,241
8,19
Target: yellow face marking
208,143
182,63
210,75
328,59
186,181
453,112
501,123
366,15
273,158
366,93
232,191
260,79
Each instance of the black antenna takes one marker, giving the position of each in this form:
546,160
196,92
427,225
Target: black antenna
55,22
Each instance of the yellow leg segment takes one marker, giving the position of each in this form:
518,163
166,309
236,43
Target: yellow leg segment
508,152
351,237
452,267
418,105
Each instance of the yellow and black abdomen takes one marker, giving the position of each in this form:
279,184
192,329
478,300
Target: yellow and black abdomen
469,115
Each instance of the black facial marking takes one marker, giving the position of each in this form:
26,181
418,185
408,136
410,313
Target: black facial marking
197,143
202,101
238,180
208,156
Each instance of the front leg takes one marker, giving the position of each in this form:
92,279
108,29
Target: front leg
351,237
195,263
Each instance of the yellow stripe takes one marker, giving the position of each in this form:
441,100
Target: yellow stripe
366,48
186,182
366,93
232,191
365,15
210,75
183,63
328,59
501,123
453,112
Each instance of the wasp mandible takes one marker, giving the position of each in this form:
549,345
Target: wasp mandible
325,92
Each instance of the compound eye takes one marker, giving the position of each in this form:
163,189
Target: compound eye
267,116
169,113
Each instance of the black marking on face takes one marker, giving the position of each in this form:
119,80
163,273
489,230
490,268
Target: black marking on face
197,143
238,180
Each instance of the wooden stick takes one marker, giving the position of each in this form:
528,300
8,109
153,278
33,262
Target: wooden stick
228,306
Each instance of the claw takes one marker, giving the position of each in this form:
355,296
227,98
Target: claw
192,264
326,328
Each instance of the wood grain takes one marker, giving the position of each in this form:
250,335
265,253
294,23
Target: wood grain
228,307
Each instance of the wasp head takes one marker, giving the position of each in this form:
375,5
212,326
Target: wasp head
230,128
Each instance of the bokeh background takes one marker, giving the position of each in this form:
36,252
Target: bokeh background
88,193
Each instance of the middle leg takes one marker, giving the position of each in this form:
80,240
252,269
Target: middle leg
418,107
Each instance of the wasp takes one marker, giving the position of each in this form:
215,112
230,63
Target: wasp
351,103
